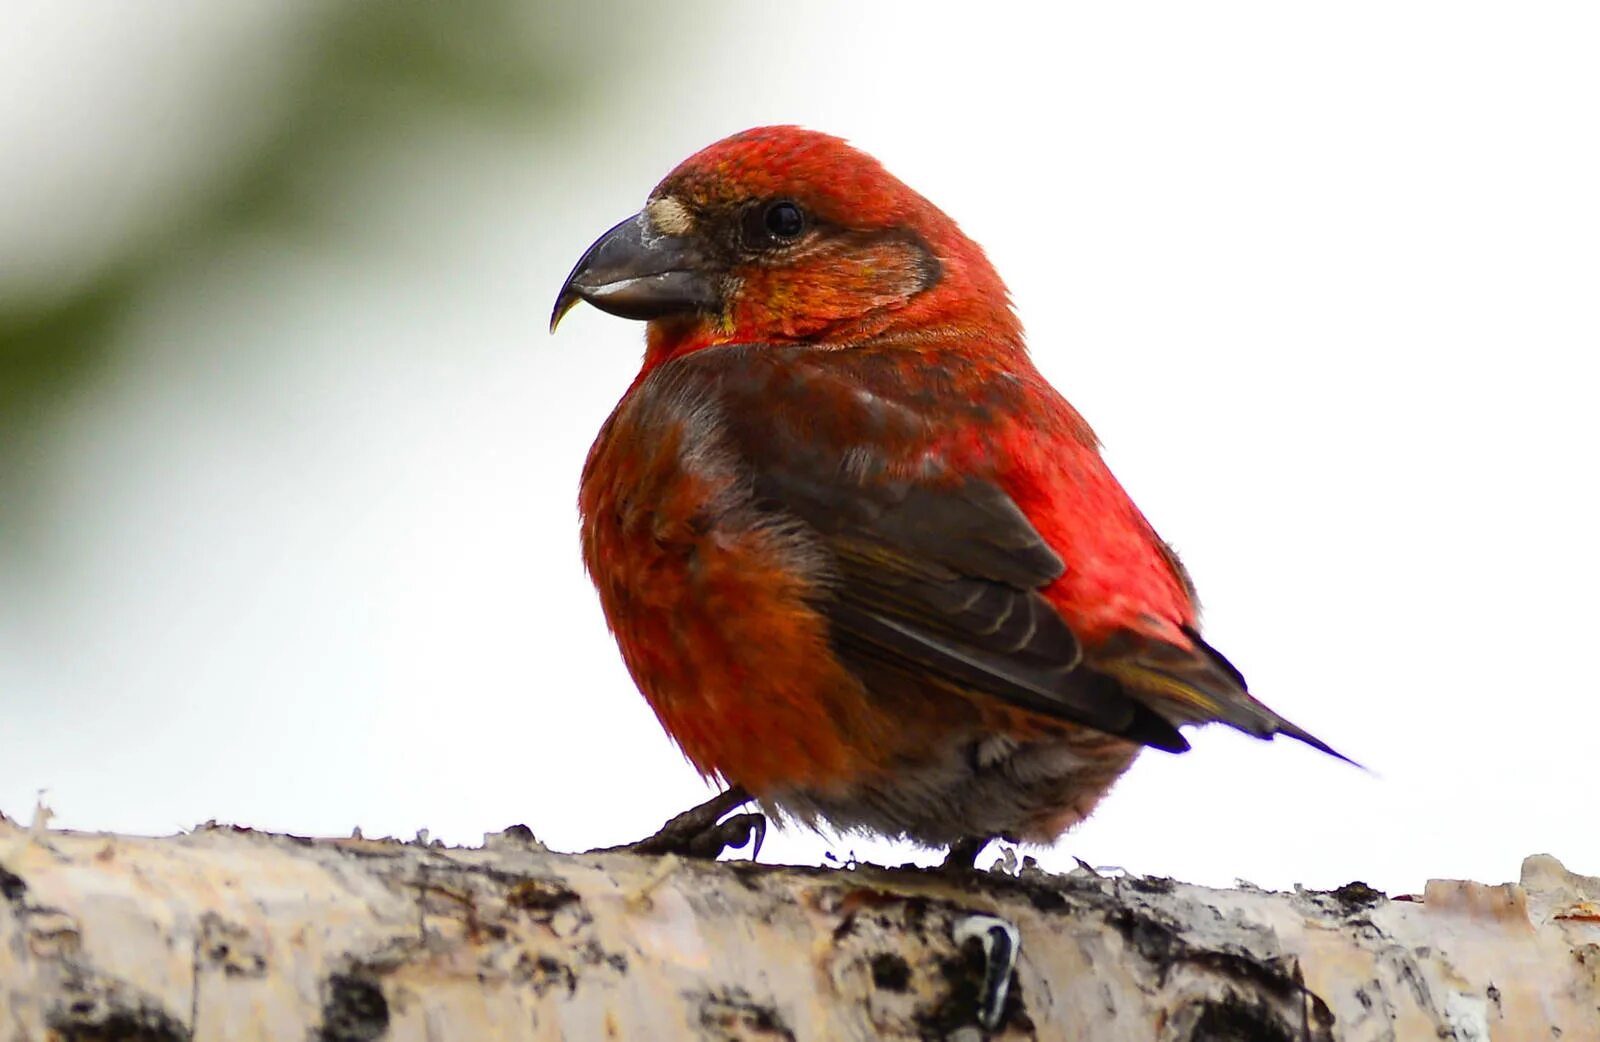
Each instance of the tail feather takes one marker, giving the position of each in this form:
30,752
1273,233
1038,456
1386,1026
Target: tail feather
1195,685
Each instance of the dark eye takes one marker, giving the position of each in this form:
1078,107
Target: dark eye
783,220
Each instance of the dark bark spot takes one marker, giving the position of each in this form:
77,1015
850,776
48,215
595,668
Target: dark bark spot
354,1010
593,955
1232,1019
733,1016
891,972
230,947
1357,897
540,897
1045,899
544,974
1157,941
100,1012
11,885
1274,983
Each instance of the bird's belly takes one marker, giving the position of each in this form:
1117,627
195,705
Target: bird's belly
1031,791
718,630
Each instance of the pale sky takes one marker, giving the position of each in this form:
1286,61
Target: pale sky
1325,279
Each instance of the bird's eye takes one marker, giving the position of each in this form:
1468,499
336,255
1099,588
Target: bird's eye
783,220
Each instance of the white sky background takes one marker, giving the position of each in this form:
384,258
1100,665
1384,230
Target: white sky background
1326,280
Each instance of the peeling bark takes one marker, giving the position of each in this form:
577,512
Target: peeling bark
226,933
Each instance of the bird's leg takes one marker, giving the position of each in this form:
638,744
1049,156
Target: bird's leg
963,856
700,832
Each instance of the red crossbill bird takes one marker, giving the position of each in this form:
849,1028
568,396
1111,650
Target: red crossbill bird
864,562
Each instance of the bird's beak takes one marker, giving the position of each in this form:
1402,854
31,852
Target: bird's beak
634,272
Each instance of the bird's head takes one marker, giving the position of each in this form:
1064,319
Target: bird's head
785,235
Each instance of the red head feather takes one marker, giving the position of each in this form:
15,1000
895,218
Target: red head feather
880,260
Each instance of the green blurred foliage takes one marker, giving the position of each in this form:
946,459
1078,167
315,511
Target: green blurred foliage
369,66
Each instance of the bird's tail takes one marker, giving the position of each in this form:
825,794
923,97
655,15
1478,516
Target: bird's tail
1194,685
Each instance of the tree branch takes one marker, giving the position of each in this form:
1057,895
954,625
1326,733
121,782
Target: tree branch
226,934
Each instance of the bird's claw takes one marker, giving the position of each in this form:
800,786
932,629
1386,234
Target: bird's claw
732,834
963,855
700,833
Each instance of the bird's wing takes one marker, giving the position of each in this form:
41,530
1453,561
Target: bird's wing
944,582
940,580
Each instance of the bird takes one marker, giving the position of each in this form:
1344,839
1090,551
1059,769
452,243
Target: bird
866,565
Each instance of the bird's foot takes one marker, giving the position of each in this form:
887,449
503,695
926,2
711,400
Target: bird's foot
963,856
700,831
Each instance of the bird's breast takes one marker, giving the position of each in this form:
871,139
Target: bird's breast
711,598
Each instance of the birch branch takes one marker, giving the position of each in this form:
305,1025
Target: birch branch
225,934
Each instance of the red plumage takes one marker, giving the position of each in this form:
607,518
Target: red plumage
860,557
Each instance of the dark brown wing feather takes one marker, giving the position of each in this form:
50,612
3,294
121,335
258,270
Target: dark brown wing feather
945,582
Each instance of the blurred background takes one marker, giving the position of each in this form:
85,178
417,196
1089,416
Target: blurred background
288,463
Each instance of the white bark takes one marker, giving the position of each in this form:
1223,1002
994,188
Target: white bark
231,934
